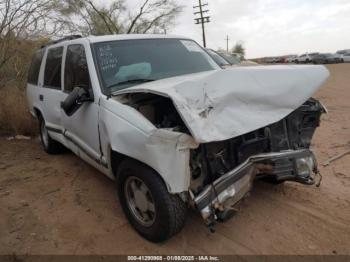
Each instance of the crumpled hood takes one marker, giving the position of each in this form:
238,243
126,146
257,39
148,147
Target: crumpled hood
223,104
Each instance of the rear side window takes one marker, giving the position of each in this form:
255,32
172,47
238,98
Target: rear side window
34,69
52,77
76,72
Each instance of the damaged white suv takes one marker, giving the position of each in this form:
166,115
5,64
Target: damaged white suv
159,116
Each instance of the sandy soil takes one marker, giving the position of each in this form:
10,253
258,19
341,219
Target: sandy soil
60,205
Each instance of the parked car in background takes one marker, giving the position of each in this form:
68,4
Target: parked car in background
340,54
306,58
218,58
270,60
346,58
291,59
238,56
232,59
327,58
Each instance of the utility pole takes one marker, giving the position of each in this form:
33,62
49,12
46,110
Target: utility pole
227,39
202,19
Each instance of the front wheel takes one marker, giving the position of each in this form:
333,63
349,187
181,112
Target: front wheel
151,210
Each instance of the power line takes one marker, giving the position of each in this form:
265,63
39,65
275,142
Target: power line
202,18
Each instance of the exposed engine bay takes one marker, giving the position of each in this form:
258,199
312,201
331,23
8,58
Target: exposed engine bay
212,160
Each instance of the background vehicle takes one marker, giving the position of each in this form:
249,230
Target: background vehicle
159,116
224,62
232,59
306,58
270,60
326,58
291,59
346,58
218,58
340,54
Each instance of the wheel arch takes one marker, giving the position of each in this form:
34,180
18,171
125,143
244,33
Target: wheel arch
117,158
37,112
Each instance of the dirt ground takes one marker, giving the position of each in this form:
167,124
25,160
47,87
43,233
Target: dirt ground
60,205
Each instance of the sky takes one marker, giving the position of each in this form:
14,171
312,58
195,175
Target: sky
270,27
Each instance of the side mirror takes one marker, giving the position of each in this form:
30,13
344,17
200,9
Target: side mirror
75,100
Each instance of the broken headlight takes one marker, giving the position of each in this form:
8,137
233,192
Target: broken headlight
305,167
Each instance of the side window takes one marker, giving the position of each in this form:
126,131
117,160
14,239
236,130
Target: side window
52,77
34,69
76,72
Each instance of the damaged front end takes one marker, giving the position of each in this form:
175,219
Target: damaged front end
223,172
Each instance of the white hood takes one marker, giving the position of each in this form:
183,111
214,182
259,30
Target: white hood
222,104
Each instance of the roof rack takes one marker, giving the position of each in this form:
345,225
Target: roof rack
70,37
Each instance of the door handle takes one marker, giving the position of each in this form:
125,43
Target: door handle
41,97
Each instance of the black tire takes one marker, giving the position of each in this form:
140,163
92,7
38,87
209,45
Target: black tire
50,146
170,210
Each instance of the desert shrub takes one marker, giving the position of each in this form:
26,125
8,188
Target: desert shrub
15,118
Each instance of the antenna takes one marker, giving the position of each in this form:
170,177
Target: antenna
202,19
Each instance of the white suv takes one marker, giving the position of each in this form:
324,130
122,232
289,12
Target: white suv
306,58
159,116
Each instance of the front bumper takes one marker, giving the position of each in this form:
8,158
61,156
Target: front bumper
230,188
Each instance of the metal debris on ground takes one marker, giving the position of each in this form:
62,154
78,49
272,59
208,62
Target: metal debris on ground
332,159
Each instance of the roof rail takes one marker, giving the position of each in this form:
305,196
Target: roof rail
70,37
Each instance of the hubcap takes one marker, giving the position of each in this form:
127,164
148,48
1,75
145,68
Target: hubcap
140,201
44,134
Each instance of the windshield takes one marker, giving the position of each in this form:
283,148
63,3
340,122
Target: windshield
125,63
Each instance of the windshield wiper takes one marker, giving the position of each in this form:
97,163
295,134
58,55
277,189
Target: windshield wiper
132,81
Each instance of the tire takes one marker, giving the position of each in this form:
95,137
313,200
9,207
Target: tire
50,146
166,213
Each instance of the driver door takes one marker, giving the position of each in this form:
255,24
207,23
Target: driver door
81,128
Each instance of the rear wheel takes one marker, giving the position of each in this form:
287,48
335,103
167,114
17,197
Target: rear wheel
50,146
151,210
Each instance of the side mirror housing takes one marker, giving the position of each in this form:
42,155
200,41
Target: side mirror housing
75,100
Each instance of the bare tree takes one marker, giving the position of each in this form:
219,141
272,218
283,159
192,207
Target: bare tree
23,20
116,18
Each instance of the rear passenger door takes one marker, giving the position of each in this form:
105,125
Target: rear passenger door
50,91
